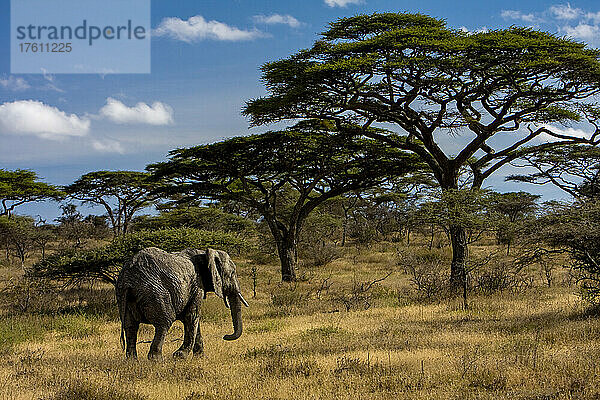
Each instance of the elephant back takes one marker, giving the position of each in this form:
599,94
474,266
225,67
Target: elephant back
154,272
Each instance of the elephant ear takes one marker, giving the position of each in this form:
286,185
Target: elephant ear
212,256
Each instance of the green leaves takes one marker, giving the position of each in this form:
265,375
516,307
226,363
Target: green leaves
23,186
105,262
312,157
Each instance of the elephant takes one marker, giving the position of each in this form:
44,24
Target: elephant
158,288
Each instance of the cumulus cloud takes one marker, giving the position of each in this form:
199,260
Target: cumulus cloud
518,15
108,146
14,84
30,117
565,11
583,31
341,3
156,114
277,19
197,28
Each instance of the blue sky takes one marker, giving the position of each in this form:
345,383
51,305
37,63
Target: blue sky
205,64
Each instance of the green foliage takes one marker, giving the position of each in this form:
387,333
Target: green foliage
18,233
511,212
204,218
23,186
105,263
468,209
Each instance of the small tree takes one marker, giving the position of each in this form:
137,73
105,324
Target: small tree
19,233
121,193
283,175
512,209
20,187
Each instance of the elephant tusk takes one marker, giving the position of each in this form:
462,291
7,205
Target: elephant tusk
243,300
226,301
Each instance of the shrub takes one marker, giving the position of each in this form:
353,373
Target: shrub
500,275
319,255
427,271
106,262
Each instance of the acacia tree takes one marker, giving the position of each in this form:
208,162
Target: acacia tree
283,175
22,186
512,209
19,233
429,81
121,193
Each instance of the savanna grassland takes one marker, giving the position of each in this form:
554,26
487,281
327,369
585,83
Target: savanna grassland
334,334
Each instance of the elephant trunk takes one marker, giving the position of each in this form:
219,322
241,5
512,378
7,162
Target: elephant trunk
235,304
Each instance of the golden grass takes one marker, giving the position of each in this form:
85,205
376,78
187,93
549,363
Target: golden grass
539,344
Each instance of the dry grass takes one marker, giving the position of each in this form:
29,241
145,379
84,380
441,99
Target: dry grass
301,343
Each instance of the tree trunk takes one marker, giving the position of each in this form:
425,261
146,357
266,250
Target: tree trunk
460,253
288,257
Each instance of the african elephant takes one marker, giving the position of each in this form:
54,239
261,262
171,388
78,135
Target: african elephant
158,288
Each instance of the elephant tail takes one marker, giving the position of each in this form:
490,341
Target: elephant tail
122,311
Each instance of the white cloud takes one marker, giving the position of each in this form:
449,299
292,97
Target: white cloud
582,31
197,28
14,84
30,117
108,146
565,11
156,114
277,19
594,17
341,3
518,15
570,21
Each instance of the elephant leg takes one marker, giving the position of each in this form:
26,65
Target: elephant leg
198,345
190,325
131,332
160,331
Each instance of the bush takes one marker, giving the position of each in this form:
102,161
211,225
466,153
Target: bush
106,262
575,228
428,273
202,218
319,255
501,275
